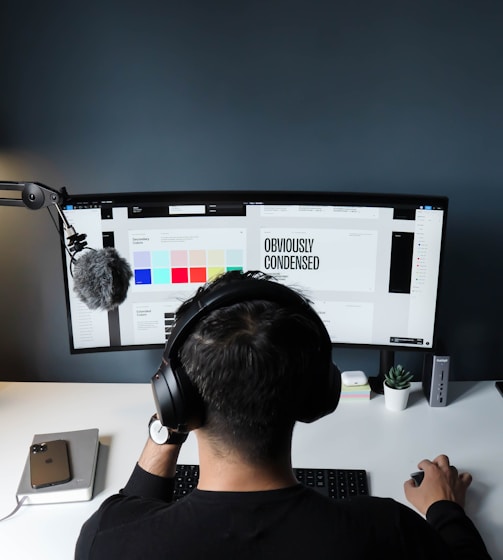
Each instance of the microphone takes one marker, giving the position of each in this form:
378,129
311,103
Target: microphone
101,278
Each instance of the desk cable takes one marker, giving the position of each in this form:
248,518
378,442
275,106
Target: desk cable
15,510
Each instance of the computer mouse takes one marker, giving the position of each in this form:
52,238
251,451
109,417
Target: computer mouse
417,477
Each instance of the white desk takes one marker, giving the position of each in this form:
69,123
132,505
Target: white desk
358,435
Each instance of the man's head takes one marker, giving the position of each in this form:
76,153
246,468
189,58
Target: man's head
259,358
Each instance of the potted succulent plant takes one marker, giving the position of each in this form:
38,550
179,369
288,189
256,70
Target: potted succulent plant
397,388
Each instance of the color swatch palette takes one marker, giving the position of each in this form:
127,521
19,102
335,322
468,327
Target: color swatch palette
184,266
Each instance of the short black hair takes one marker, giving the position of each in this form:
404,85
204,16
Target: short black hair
248,361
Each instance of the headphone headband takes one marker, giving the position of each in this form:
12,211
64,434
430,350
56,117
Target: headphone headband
249,289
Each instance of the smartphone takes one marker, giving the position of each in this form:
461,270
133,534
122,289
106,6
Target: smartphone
499,386
49,463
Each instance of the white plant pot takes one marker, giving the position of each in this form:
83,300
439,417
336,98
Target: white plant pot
396,399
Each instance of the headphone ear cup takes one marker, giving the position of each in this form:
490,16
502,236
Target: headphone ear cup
335,386
323,395
178,403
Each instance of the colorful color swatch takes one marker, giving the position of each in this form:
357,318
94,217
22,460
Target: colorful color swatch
194,266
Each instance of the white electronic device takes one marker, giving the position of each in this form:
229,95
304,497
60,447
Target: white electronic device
83,447
351,378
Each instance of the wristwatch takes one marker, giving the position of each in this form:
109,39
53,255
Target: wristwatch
162,434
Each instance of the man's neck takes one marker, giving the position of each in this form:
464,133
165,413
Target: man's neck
229,472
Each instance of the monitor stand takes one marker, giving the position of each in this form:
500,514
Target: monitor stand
386,361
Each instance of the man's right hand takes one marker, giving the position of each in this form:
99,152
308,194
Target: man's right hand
441,482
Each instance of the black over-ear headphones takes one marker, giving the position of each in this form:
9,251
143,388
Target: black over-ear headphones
179,405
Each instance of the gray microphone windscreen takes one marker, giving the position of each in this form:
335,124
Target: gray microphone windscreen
101,278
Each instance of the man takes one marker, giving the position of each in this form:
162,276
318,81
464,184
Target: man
256,361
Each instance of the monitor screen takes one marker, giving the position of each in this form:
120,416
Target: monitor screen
369,263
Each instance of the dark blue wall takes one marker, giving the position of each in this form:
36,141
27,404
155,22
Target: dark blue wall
397,96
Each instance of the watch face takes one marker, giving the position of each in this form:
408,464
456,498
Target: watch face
158,432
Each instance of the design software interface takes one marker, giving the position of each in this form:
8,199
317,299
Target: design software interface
371,269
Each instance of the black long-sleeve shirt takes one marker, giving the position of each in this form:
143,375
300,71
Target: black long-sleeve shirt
291,523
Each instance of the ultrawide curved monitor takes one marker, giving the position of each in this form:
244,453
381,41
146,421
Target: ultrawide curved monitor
370,263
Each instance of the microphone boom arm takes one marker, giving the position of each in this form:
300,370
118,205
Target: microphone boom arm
35,196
